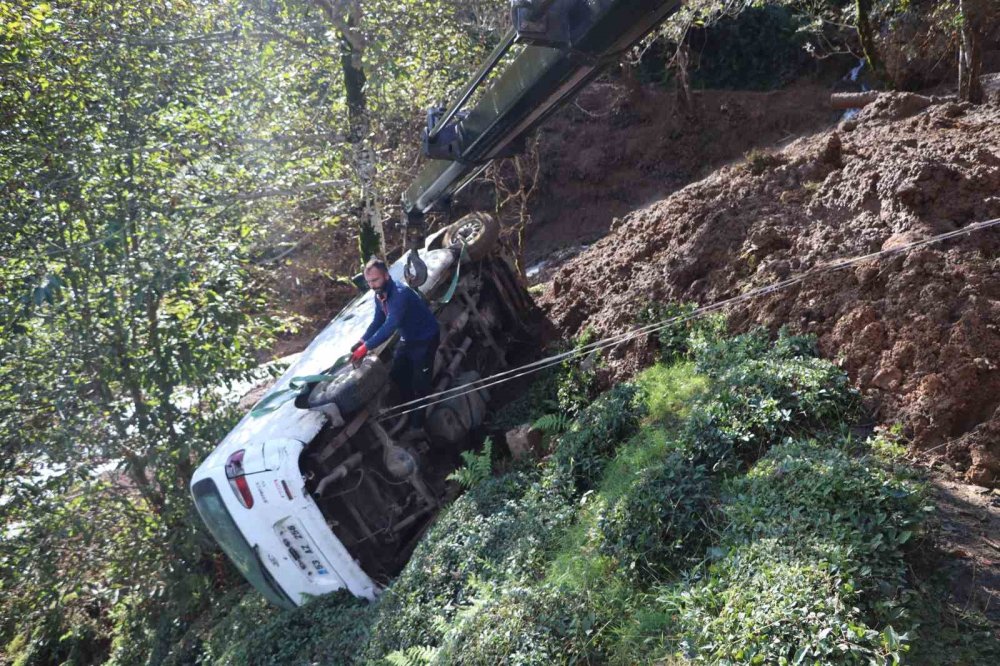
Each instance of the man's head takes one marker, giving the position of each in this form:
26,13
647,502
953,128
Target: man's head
377,275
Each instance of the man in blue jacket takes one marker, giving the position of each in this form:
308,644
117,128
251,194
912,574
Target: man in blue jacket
398,307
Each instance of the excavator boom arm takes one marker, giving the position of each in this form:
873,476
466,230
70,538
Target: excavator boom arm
563,45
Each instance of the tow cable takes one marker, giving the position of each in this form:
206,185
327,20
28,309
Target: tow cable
614,340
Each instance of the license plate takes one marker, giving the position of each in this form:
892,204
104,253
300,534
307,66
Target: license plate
301,549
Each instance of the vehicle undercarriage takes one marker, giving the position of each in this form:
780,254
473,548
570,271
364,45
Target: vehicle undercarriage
378,490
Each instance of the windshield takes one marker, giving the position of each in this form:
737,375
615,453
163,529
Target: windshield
213,511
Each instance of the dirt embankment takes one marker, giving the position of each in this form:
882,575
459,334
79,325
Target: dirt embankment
617,148
919,333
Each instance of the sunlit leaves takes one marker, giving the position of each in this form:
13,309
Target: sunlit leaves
152,155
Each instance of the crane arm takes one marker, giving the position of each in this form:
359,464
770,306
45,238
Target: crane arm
563,45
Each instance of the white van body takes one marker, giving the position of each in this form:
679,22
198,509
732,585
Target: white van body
282,485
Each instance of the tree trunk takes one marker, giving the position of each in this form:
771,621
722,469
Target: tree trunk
370,240
351,65
970,54
346,17
867,36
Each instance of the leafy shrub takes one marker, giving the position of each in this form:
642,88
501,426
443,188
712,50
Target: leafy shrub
811,564
131,640
831,506
577,383
761,604
522,625
327,630
661,521
674,338
717,356
708,441
582,452
500,530
765,393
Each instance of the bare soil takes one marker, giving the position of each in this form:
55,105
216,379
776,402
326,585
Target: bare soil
969,540
919,334
618,149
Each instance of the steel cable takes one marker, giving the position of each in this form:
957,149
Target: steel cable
543,364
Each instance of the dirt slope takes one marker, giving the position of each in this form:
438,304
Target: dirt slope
919,334
618,148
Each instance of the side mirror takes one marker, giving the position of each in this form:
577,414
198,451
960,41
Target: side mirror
360,283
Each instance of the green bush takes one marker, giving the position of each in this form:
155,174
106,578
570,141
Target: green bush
577,384
661,522
583,451
715,355
828,505
763,605
500,530
765,392
811,564
327,630
525,625
674,338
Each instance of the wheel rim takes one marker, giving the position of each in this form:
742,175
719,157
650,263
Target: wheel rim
470,231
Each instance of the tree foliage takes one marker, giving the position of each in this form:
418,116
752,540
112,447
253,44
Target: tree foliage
155,158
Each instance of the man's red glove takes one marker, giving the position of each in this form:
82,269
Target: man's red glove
359,353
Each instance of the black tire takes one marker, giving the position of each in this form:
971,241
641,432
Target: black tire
478,231
351,388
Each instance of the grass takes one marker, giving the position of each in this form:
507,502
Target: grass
760,161
669,391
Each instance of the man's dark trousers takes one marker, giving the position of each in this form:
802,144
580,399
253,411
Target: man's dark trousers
412,371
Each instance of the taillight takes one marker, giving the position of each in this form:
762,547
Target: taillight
237,481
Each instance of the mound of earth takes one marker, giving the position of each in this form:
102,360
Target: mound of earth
918,333
618,148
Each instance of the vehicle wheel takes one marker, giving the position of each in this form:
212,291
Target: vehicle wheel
446,427
351,388
478,231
